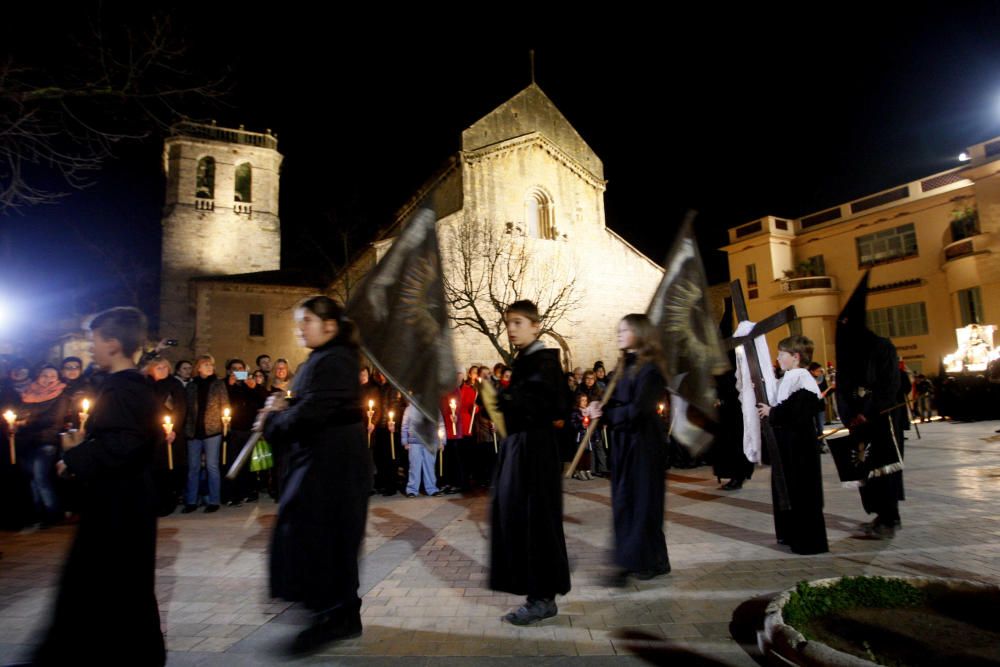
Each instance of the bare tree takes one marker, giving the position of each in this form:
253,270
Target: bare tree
115,84
488,266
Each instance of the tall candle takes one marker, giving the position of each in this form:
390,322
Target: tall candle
168,427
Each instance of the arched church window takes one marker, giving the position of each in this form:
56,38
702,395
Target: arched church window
243,183
205,183
540,214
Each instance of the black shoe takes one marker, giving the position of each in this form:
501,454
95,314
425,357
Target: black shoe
328,628
252,498
450,490
411,495
188,509
389,492
646,575
211,508
532,611
437,494
234,503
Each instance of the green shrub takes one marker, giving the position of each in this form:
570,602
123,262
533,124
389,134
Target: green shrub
808,602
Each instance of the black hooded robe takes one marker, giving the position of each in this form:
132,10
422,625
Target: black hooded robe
324,499
106,611
638,467
527,543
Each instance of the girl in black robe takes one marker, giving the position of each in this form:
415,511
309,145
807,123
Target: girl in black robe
527,544
324,499
801,527
638,454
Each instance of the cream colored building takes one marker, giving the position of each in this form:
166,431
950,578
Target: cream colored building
524,170
932,246
222,290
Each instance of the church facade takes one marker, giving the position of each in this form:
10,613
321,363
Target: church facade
932,245
525,178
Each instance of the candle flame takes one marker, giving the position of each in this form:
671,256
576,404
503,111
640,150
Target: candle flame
225,413
391,415
86,404
371,404
166,420
452,403
9,416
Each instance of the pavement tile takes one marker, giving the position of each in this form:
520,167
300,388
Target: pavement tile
424,570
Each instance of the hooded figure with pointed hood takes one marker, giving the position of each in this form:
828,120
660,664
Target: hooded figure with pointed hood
867,384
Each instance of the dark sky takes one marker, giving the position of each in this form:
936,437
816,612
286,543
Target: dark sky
736,115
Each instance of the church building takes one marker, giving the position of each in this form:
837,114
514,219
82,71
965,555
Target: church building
523,177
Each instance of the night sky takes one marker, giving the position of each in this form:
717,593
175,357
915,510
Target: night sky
736,115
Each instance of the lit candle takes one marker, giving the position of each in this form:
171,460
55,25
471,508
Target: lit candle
168,427
11,418
454,417
472,419
371,414
392,434
659,409
226,418
85,413
288,394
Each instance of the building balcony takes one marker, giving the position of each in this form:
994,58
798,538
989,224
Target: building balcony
242,207
204,204
972,245
809,285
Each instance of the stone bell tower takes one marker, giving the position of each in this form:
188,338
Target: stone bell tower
220,216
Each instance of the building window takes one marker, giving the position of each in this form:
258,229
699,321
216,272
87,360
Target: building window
964,223
970,306
205,183
751,275
818,266
887,245
256,324
898,321
540,215
243,183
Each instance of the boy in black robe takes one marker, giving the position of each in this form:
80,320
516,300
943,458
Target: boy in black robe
106,611
528,547
802,526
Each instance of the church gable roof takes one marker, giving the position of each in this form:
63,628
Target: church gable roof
531,111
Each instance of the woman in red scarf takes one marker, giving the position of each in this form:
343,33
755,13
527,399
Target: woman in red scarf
41,416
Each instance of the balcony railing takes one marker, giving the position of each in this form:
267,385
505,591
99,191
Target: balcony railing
204,204
967,246
227,134
243,207
808,283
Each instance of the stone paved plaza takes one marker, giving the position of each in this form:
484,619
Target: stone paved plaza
424,571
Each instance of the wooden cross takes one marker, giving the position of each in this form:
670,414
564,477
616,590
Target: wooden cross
776,320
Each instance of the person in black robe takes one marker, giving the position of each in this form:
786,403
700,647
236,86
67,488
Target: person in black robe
527,544
867,387
106,611
802,526
728,459
638,454
324,499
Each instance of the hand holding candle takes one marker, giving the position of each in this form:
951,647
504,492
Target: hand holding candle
392,434
168,428
454,417
84,413
226,418
11,419
371,426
